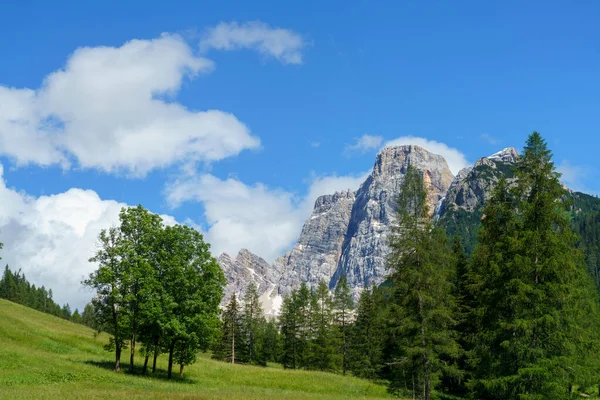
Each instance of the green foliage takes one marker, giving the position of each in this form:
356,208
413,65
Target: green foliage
532,303
423,311
158,283
45,357
343,306
367,335
253,322
228,346
15,287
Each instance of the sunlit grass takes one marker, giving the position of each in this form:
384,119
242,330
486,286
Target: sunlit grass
44,357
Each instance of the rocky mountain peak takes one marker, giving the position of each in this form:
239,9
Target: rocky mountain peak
507,155
245,268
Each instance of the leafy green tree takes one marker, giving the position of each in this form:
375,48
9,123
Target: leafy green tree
534,310
194,282
139,230
110,282
343,306
423,305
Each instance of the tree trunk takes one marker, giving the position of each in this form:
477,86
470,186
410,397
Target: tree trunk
344,349
233,345
180,369
171,349
117,357
145,369
155,354
132,354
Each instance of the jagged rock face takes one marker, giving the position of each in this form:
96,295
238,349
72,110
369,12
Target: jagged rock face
462,208
473,186
316,254
244,269
347,232
364,249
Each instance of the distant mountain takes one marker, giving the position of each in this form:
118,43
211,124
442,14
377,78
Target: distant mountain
347,231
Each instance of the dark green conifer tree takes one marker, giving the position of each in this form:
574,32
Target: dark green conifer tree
231,332
423,310
343,306
533,310
366,339
324,345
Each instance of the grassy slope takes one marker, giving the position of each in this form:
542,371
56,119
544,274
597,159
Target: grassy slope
44,357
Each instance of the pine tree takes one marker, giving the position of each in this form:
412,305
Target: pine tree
423,305
231,332
343,306
532,296
323,342
289,326
252,322
366,339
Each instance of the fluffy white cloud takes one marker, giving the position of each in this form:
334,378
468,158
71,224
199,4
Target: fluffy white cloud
51,238
266,221
111,108
282,44
456,160
364,144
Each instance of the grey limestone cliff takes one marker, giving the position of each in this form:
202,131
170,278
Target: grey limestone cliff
245,268
316,254
347,232
365,245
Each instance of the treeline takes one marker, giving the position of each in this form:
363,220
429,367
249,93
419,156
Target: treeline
16,288
156,285
246,336
518,319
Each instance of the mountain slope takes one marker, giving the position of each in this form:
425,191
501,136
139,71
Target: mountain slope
347,231
42,356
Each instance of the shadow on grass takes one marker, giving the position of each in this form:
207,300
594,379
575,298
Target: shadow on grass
160,374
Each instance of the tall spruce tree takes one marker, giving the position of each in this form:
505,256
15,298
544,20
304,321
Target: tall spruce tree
366,339
533,307
253,320
323,347
423,308
231,332
343,306
289,320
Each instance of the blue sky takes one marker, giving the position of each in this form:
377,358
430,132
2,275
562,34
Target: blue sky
234,116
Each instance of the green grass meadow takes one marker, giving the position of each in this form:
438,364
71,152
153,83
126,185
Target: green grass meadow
45,357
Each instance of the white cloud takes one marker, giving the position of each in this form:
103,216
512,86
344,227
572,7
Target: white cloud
456,160
488,138
364,144
112,108
264,220
52,237
575,177
281,44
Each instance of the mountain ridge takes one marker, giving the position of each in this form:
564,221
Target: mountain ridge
347,231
